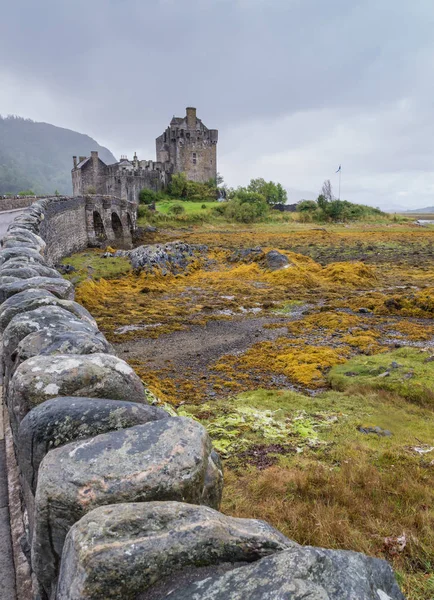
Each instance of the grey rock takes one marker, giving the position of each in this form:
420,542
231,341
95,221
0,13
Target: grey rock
275,260
31,255
173,257
28,239
163,460
364,311
26,272
299,573
96,375
119,551
47,343
59,287
247,255
32,299
60,421
52,319
376,430
6,279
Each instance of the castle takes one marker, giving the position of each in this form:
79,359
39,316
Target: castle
187,146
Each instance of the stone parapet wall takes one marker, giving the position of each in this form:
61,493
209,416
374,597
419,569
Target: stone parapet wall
121,499
15,203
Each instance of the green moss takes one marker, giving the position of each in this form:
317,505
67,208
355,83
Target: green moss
90,264
408,372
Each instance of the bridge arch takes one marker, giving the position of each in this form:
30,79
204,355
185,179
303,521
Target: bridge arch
98,226
117,226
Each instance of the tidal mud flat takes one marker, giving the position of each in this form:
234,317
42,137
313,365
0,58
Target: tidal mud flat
297,372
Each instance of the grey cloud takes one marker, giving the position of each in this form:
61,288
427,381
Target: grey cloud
283,73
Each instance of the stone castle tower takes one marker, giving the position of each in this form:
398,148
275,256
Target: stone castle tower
190,147
186,146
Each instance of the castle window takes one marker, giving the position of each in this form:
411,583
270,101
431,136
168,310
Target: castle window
194,158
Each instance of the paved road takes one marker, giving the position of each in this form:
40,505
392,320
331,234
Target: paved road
6,218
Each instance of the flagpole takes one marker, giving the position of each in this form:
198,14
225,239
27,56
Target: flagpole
340,171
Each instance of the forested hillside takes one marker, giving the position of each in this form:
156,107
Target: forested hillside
38,156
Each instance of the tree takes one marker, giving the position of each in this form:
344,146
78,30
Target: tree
178,185
327,190
274,193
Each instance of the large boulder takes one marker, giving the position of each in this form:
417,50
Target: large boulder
51,319
22,238
96,375
60,421
121,550
31,299
173,257
163,460
27,253
23,271
274,261
297,574
47,343
59,287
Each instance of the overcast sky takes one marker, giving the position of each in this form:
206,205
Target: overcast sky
295,87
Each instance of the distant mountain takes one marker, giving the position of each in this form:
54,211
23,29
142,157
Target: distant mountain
38,156
427,210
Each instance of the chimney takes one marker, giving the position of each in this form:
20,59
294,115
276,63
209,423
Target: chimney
94,155
191,117
74,160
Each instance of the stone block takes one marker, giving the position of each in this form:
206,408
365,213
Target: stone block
47,343
96,375
60,421
51,319
121,550
34,298
297,574
59,287
30,254
163,460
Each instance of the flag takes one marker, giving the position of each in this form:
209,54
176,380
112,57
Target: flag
340,167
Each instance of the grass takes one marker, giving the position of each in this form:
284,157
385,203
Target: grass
301,464
408,372
90,265
191,208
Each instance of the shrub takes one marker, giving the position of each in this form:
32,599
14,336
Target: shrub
307,206
245,212
176,209
143,211
147,196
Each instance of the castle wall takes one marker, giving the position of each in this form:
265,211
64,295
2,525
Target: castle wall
128,187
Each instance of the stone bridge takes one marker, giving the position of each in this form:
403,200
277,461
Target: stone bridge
110,219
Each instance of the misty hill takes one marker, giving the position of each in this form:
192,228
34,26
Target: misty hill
38,156
427,210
